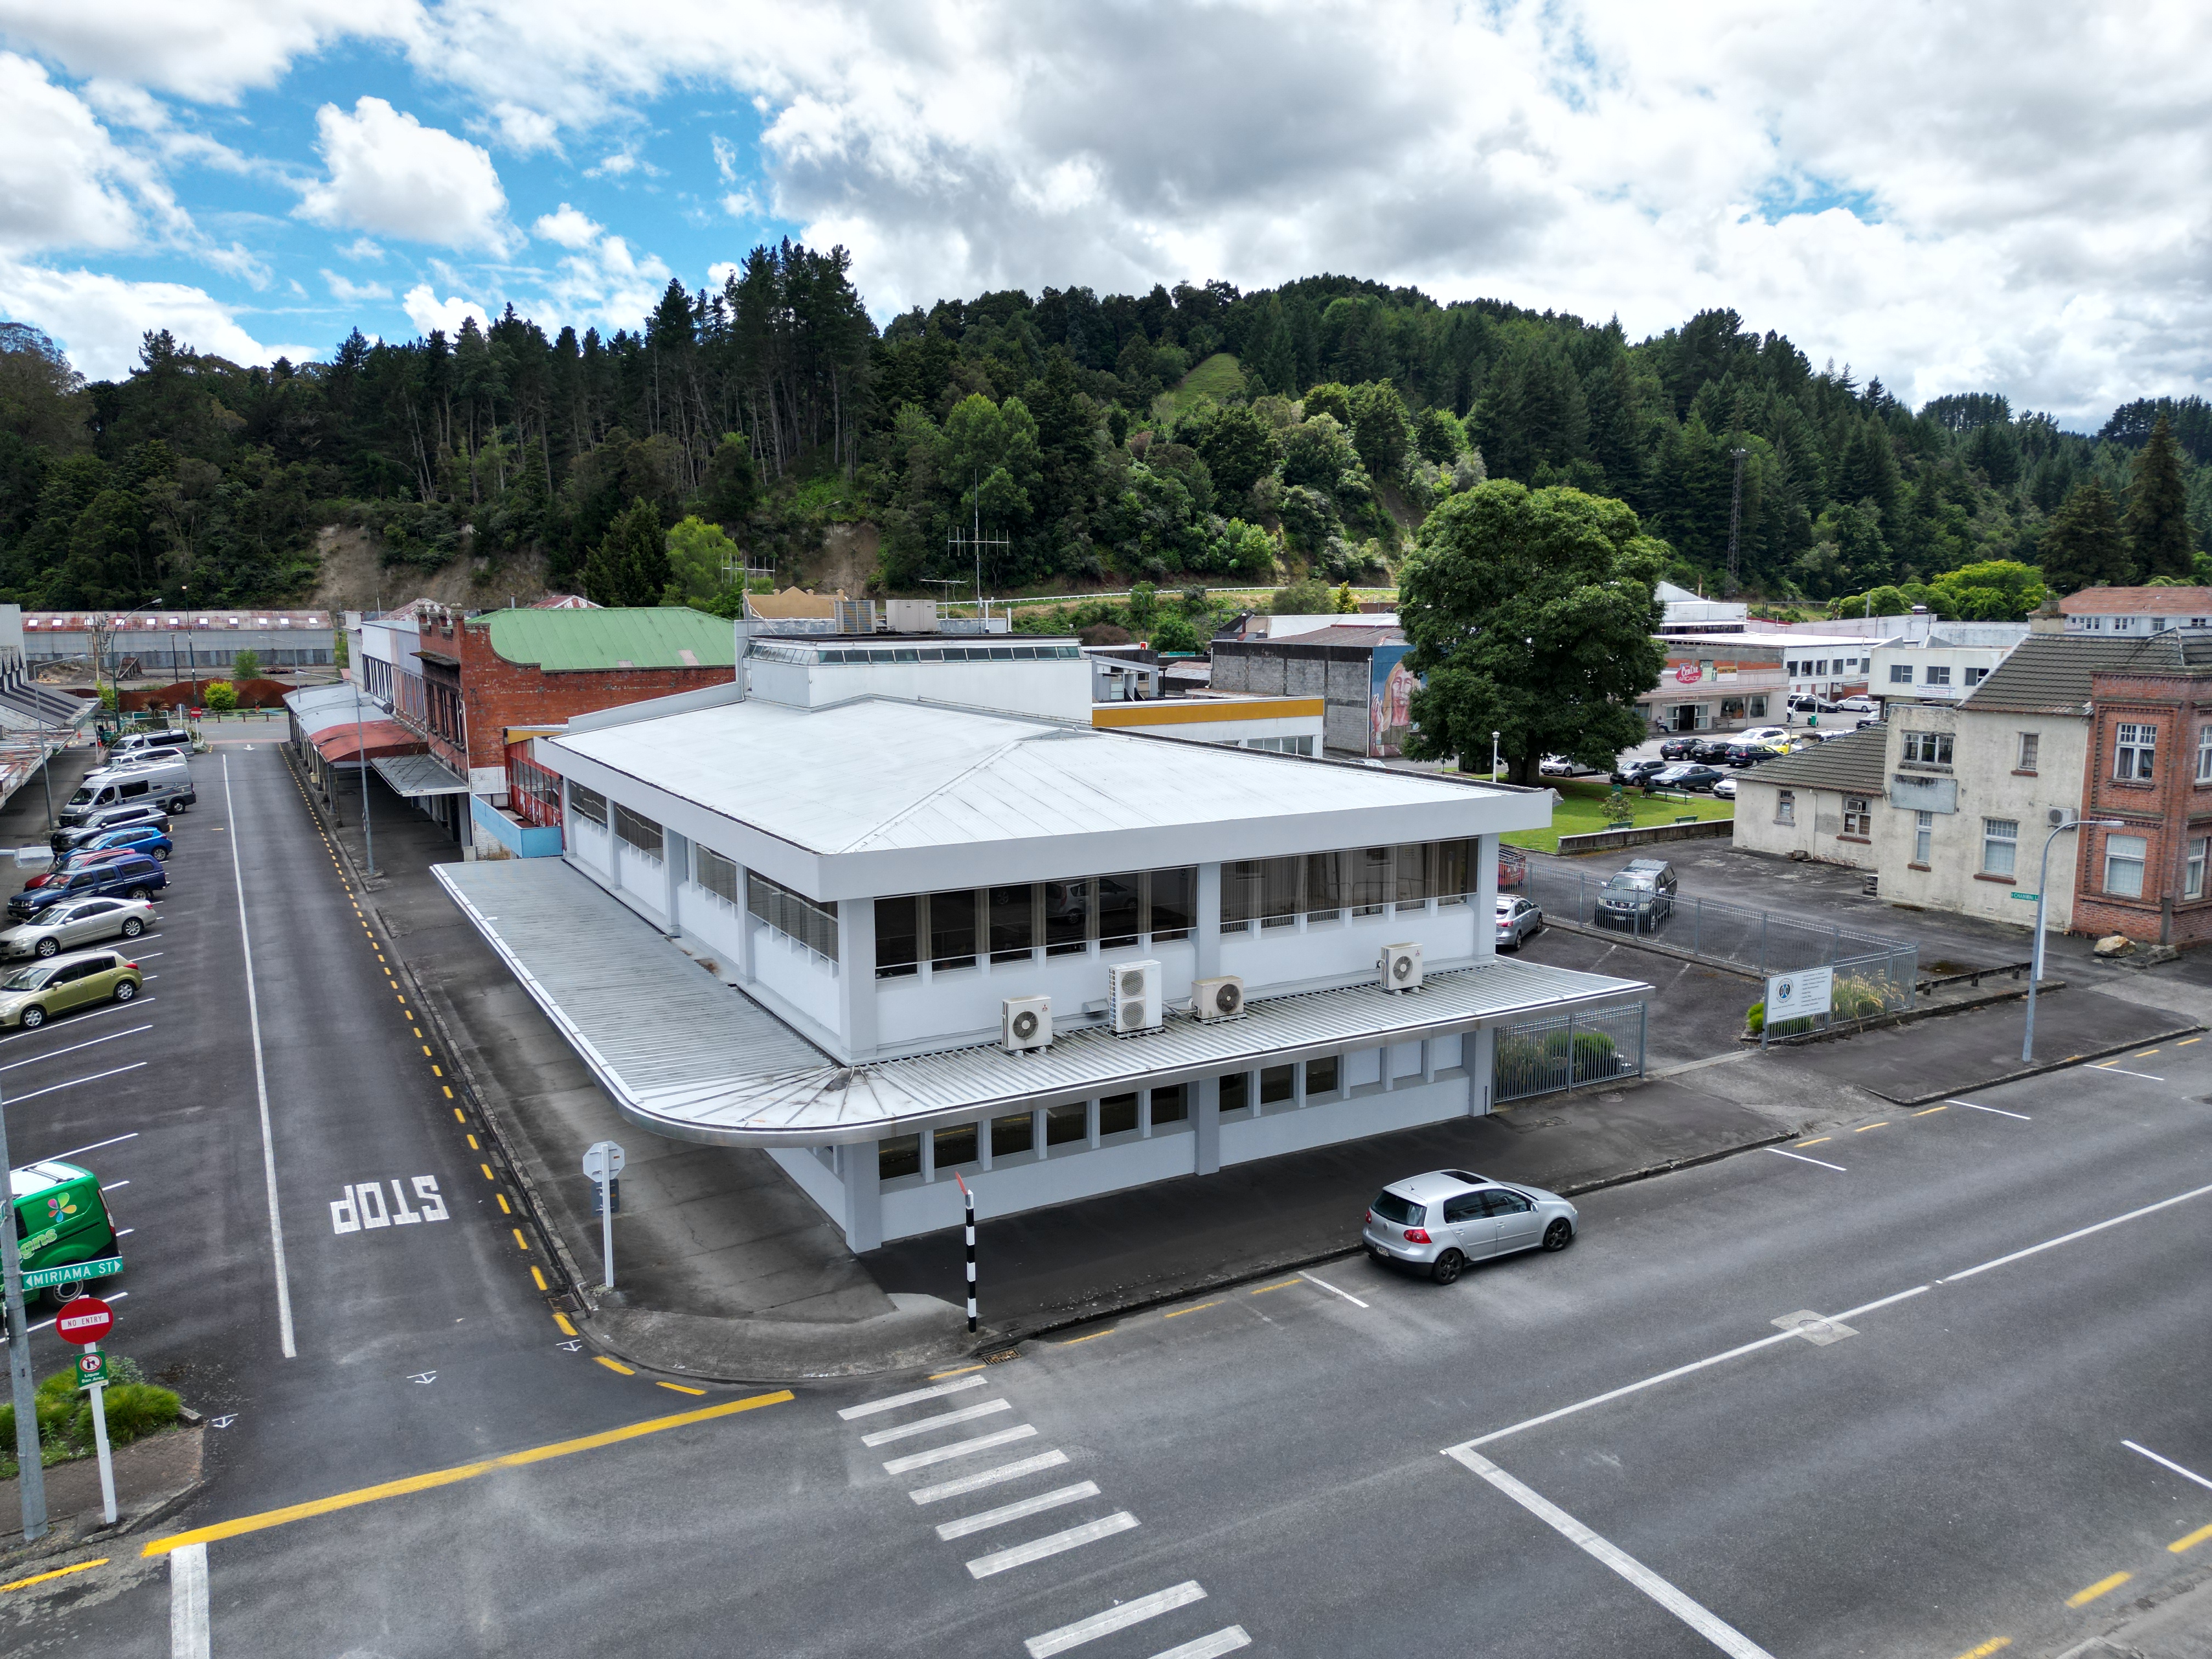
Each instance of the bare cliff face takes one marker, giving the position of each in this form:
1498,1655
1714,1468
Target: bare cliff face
355,577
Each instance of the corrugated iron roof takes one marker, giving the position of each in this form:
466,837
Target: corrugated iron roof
375,737
658,637
686,1056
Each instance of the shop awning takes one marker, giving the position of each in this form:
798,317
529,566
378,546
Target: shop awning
347,743
420,774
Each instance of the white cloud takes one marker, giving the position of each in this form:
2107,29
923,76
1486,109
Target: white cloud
392,175
352,293
603,283
99,319
209,50
569,227
363,248
741,205
63,181
725,159
427,311
613,165
526,131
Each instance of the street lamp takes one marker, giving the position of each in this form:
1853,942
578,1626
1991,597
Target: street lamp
360,759
2042,887
1493,757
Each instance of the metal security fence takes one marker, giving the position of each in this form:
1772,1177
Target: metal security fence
1565,1051
1865,987
1762,942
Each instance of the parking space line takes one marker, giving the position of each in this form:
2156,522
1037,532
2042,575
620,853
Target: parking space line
261,1086
2187,1475
895,1401
1332,1289
991,1477
1114,1619
1057,1543
1720,1634
2103,1587
1999,1110
2079,1232
53,1088
77,1019
114,1140
1227,1639
2123,1071
58,1053
930,1424
1823,1163
1019,1511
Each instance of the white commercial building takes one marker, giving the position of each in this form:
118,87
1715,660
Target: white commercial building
917,936
1943,666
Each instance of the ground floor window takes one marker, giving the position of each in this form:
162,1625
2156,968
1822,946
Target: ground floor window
2000,845
2123,864
1858,819
1785,807
2193,883
1171,1105
1923,836
898,1156
1013,1135
1236,1093
1278,1084
1064,1124
956,1145
1117,1115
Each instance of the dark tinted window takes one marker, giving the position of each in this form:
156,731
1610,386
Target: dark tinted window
1400,1211
1117,1115
899,1155
1277,1082
955,1146
1063,1124
895,937
952,928
1171,1105
1236,1093
1321,1076
1175,903
1013,922
1066,916
1118,910
1467,1206
1012,1134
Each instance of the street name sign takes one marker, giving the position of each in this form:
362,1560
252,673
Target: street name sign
44,1279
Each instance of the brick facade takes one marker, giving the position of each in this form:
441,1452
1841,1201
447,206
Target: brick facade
2168,812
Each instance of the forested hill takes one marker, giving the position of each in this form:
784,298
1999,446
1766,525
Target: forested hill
1201,434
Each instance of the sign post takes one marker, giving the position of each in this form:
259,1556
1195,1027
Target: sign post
603,1162
31,1480
968,1199
84,1321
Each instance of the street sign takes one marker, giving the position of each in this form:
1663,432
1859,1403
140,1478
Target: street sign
85,1320
2030,898
1808,992
607,1192
91,1368
602,1160
44,1279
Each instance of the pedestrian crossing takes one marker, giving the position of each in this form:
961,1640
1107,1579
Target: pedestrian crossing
953,1415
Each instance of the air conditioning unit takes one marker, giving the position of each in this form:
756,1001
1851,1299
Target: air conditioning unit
2055,816
1401,967
1025,1023
1133,997
1218,999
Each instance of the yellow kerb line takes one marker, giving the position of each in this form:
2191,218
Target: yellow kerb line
938,1376
59,1573
2185,1041
2146,1053
1093,1337
616,1365
1178,1313
1987,1647
562,1320
1939,1109
2191,1542
1282,1285
1863,1128
678,1387
2082,1598
413,1483
1815,1140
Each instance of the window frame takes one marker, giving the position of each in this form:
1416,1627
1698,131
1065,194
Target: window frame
1995,837
2031,748
2140,859
2135,751
1858,816
1785,807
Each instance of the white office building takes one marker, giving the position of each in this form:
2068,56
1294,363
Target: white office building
890,936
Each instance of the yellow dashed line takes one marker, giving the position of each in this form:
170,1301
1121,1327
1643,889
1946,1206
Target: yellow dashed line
417,1029
1179,1312
616,1365
562,1320
938,1376
472,1144
435,1070
449,1095
1863,1128
458,1118
542,1285
680,1389
1932,1109
2082,1598
486,1168
425,1048
2191,1542
521,1243
59,1573
2185,1041
2146,1053
504,1208
1994,1645
1815,1140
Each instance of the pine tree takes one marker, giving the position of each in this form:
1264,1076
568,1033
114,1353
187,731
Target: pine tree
1270,357
2157,523
2082,544
630,567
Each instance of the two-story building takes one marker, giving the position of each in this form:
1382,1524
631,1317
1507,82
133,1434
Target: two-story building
2150,768
2136,613
916,936
1941,666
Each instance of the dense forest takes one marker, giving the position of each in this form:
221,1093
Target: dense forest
1193,436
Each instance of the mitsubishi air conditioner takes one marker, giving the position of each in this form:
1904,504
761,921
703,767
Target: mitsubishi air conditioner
1025,1023
1401,967
1133,995
1218,999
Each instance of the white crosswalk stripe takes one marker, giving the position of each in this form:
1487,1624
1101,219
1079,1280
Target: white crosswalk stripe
1114,1619
897,1400
1225,1640
1057,1543
943,1419
1027,1506
957,1449
1005,1472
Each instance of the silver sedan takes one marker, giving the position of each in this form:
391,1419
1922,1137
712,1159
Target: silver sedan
1447,1219
69,926
1518,921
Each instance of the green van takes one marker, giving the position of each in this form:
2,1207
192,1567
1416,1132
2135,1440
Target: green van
60,1219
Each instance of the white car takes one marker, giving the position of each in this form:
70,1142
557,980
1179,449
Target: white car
1762,734
1725,789
1861,704
1560,766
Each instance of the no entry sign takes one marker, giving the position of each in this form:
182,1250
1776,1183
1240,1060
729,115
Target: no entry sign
87,1319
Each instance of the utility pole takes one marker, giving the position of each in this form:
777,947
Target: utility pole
1736,516
31,1475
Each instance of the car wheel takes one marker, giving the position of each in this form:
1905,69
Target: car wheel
141,893
48,946
125,990
133,928
1446,1267
1559,1236
34,1017
61,1295
163,853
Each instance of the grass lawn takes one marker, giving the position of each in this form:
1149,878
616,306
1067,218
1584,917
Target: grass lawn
1578,812
1219,378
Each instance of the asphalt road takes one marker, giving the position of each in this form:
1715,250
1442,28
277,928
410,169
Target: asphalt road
1946,1468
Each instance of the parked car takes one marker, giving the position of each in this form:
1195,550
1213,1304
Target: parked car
61,1219
1562,766
1687,777
1762,734
1678,749
174,740
1867,725
1751,754
1639,897
77,858
1443,1220
1712,751
68,926
146,837
1806,703
31,996
165,781
1725,789
1859,704
1633,775
134,875
1518,921
113,817
1660,870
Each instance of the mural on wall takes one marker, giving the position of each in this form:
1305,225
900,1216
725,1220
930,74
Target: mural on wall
1390,692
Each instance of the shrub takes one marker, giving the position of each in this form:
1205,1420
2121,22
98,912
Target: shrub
1596,1056
134,1409
221,696
246,665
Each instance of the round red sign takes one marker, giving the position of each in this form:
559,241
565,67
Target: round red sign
85,1320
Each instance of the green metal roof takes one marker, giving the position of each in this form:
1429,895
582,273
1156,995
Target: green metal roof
660,636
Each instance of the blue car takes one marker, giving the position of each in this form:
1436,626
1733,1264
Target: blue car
134,875
146,837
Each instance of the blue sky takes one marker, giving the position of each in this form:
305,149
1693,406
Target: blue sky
1951,201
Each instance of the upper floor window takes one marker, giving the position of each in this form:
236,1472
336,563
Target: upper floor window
639,831
717,874
794,915
957,928
1932,748
2135,752
1365,880
2204,754
587,804
1976,676
2030,741
1900,673
1939,673
2000,845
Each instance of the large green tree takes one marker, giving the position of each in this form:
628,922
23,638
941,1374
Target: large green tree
630,567
1532,614
2157,524
2082,544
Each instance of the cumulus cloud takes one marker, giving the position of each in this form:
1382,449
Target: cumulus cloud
390,174
569,227
603,283
526,131
427,311
352,293
99,319
64,182
210,50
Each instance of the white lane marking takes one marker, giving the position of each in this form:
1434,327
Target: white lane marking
1005,1472
72,1048
1721,1635
2187,1475
112,1185
114,1141
1113,1619
1231,1638
1027,1506
1668,1377
261,1086
2079,1232
958,1449
898,1399
1802,1159
1999,1110
105,1295
907,1431
1057,1543
136,1003
2123,1071
56,1088
1332,1289
188,1602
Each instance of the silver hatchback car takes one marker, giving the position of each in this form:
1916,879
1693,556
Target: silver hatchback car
1446,1219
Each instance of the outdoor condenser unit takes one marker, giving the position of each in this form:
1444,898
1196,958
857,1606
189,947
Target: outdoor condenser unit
1025,1023
1218,999
1401,967
1132,993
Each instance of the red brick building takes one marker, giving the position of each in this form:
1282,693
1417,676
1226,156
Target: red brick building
2150,766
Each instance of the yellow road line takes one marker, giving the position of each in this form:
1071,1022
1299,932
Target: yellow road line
2146,1053
2185,1041
616,1365
1093,1337
1815,1140
458,1118
486,1168
540,1278
938,1376
678,1387
425,1048
1281,1285
472,1144
1987,1647
2082,1598
1863,1128
504,1208
417,1029
1924,1114
521,1243
1179,1312
2192,1542
449,1095
561,1319
435,1071
413,1483
59,1573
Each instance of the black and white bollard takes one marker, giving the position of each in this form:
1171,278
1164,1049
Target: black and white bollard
968,1199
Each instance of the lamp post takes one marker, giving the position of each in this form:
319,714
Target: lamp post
360,759
1493,757
2042,888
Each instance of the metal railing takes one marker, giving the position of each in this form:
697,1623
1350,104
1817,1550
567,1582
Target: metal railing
1567,1051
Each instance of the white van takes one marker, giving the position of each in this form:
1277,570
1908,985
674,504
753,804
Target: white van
165,781
131,745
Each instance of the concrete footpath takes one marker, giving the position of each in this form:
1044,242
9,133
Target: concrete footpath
726,1272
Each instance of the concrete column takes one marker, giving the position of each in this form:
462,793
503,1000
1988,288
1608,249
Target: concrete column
1209,921
744,962
674,866
1478,1054
856,976
1206,1111
1484,904
864,1198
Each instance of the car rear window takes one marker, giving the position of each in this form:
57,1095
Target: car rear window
1401,1212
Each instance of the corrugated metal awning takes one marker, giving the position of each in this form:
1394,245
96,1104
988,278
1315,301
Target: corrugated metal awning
350,741
421,775
686,1056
